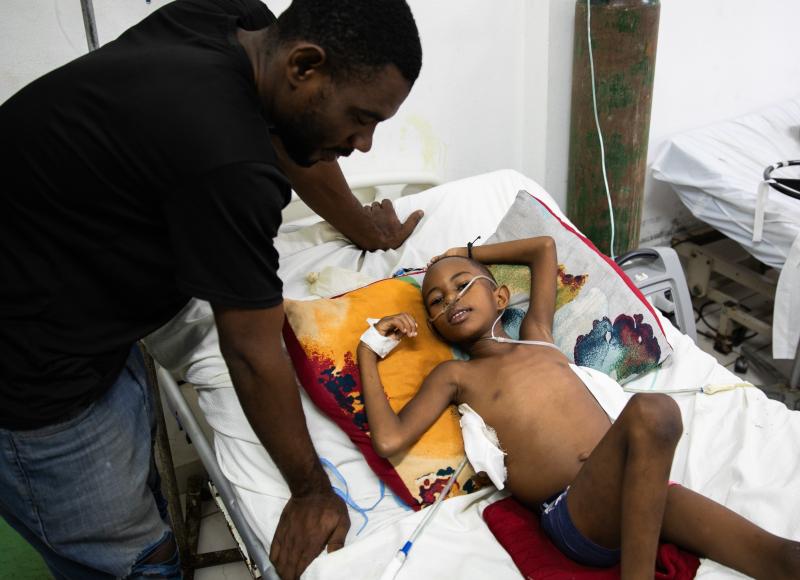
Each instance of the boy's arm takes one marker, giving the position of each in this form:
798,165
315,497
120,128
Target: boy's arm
539,254
392,432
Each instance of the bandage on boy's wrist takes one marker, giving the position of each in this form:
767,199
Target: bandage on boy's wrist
376,342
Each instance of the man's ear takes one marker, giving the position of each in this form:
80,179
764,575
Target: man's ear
305,62
503,295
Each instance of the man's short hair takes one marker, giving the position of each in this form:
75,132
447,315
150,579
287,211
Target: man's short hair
360,37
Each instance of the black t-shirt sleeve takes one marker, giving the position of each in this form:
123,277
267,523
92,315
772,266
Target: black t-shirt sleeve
222,231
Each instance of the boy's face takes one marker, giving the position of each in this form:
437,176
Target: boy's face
472,316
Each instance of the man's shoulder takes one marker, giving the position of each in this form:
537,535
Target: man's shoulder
250,14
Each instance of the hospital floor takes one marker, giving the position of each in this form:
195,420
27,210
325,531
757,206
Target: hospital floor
758,375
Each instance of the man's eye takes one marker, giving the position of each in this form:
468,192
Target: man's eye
462,285
435,301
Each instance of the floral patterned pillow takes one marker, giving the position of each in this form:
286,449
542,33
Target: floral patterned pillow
602,321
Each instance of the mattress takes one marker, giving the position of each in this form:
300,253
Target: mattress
716,171
738,447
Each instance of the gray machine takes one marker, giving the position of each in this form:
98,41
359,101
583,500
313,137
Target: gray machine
658,274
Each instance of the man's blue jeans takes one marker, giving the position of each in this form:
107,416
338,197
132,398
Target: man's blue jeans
85,493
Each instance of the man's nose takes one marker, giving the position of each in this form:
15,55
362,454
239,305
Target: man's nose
362,140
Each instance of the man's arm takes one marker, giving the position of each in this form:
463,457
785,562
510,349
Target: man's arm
250,341
324,189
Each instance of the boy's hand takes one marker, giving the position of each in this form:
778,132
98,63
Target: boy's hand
397,326
459,251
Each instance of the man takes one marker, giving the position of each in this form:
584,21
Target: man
149,171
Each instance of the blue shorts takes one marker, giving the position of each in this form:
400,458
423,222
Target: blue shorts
85,492
557,524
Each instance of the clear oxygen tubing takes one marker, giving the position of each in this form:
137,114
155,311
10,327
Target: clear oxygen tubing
705,389
597,124
515,340
709,389
395,564
449,306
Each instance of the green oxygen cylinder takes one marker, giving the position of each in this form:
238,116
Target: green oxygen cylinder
624,36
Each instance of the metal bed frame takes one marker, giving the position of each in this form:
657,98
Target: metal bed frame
186,530
702,262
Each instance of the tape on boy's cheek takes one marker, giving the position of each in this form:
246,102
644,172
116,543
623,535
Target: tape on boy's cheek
377,343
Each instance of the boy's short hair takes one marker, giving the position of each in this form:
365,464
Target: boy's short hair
479,265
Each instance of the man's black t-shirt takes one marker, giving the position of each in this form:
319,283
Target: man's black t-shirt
133,178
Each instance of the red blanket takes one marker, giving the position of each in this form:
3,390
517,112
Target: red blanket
517,529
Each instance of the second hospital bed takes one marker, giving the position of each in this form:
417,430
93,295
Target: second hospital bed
717,171
738,447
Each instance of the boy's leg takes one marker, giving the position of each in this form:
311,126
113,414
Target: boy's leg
82,486
618,497
711,530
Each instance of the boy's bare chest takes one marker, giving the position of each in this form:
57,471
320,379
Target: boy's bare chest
531,401
521,383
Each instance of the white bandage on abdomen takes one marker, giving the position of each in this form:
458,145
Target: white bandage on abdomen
482,447
377,343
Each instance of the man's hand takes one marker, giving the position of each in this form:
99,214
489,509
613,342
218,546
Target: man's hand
389,233
324,189
308,524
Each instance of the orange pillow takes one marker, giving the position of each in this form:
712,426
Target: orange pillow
322,337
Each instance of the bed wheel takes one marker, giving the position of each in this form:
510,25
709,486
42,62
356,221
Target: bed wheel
741,365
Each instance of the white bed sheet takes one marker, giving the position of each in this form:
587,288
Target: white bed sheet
738,447
716,170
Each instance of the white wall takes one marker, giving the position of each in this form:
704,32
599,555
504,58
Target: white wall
463,116
496,79
716,59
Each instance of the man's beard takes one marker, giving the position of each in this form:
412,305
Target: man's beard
301,137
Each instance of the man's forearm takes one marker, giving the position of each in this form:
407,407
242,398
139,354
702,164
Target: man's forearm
250,341
271,402
324,189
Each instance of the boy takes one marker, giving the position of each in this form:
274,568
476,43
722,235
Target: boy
601,487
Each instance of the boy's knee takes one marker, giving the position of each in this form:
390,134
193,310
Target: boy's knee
656,418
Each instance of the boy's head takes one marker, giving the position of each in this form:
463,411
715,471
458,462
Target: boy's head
469,317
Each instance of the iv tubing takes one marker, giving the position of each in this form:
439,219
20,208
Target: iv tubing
597,123
395,564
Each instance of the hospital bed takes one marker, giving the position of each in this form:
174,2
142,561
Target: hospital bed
738,447
718,173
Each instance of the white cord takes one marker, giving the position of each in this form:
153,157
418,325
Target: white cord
396,563
597,124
